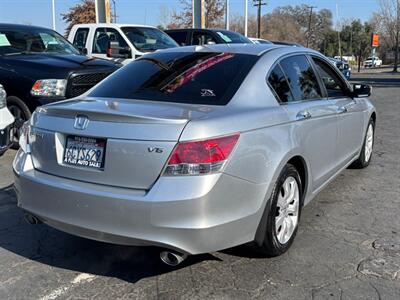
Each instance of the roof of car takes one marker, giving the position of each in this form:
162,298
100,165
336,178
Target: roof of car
112,25
251,49
21,26
190,29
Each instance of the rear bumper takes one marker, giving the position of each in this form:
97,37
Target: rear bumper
192,214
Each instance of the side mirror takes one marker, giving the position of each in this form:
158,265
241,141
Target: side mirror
361,90
115,51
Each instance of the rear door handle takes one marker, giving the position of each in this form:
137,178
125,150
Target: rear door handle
341,110
303,115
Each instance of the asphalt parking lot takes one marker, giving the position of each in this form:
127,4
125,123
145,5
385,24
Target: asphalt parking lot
348,244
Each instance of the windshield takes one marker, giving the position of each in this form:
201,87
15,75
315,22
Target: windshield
36,40
148,39
233,37
194,78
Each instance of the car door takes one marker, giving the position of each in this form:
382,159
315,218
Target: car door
348,112
80,38
312,116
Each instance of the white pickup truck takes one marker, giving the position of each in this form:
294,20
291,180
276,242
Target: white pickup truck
6,121
121,43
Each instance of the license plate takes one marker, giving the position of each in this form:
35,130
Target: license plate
85,152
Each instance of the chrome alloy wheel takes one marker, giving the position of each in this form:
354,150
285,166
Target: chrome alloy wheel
369,142
287,213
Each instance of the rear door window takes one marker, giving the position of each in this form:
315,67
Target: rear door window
80,38
210,78
301,78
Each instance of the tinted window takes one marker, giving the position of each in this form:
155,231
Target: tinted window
148,39
102,38
202,38
81,37
232,37
198,78
179,37
37,40
279,84
301,77
334,86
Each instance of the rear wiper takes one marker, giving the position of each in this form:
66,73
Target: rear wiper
157,62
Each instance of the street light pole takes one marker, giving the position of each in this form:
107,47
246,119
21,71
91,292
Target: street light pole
115,11
227,14
246,16
53,6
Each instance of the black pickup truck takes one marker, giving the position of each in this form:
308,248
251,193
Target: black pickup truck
39,66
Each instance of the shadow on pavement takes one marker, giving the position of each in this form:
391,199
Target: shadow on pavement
49,246
378,80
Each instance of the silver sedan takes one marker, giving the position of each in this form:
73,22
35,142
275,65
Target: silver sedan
195,149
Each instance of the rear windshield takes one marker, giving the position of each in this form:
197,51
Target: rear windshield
193,78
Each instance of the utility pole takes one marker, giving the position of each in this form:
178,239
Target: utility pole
259,4
246,16
309,24
53,6
198,15
227,14
115,11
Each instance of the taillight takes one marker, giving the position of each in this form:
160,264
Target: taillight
201,157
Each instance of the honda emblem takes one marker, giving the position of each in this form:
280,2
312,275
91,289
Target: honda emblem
81,122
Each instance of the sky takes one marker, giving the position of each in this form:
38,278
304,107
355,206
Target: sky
38,12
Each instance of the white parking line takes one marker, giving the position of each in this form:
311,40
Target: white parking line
81,278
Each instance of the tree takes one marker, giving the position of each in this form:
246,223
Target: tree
83,12
214,12
388,24
290,23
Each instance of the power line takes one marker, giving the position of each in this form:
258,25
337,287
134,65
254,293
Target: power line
258,4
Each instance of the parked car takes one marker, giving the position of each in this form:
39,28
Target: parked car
39,66
372,62
120,42
6,121
187,37
211,147
343,66
260,41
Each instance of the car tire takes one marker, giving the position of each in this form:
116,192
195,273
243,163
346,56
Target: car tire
21,113
366,151
274,240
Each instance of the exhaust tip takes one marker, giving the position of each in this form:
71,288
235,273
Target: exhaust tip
31,219
172,258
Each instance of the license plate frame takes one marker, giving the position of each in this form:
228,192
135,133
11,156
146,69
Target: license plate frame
84,152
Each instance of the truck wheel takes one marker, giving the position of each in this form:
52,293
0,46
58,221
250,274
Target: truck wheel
21,114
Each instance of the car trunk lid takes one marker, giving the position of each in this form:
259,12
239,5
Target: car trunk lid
138,139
